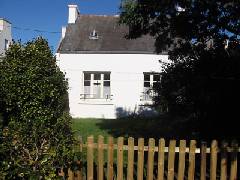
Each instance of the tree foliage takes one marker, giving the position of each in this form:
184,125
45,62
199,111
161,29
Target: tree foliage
202,40
182,23
36,135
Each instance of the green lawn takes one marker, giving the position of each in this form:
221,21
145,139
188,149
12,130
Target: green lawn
88,127
162,126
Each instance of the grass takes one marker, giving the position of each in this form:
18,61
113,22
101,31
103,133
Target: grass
87,127
163,126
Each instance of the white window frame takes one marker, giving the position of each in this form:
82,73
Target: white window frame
101,82
148,93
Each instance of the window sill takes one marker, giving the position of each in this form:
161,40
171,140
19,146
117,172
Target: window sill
96,101
146,103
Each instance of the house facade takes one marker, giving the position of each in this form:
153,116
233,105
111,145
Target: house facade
109,76
5,35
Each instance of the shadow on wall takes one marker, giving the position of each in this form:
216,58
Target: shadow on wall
143,111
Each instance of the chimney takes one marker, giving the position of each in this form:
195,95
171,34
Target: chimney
72,13
63,32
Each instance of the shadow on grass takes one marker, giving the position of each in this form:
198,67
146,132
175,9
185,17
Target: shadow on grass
164,126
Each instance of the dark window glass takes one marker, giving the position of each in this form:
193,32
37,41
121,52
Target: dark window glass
87,76
6,44
146,77
106,83
156,77
155,84
86,83
146,84
106,76
97,76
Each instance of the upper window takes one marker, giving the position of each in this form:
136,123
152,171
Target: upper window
150,81
93,35
96,85
6,45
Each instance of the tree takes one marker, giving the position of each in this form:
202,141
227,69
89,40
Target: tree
202,39
182,23
36,135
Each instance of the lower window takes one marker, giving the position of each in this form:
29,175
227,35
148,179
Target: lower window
150,81
97,85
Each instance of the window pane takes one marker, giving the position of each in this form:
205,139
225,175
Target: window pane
87,92
86,83
96,91
146,77
87,76
107,76
97,76
156,77
6,44
146,94
106,92
146,84
155,84
106,83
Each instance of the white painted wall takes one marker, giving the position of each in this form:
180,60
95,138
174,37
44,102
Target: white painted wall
126,81
5,33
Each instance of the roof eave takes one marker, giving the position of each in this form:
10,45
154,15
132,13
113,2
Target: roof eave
107,52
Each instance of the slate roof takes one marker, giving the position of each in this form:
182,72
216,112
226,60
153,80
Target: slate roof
111,37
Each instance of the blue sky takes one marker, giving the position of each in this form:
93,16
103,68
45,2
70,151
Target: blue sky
48,15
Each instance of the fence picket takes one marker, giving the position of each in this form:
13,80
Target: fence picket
224,161
233,171
171,159
79,172
110,159
100,158
161,147
191,165
120,158
70,174
90,141
203,161
213,160
140,159
181,162
130,158
150,165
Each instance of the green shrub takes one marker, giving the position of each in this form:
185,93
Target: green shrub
36,135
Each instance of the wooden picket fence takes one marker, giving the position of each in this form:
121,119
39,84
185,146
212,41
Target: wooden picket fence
156,160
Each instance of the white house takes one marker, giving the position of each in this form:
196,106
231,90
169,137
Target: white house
5,35
108,75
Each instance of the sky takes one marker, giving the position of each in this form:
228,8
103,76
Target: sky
30,18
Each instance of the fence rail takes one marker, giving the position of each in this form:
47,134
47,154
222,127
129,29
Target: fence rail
177,149
156,161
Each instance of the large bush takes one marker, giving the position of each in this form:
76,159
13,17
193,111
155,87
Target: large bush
36,135
204,90
203,42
